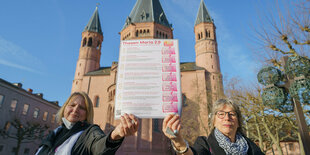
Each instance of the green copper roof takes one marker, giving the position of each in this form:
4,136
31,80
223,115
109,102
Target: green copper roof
203,14
94,23
147,11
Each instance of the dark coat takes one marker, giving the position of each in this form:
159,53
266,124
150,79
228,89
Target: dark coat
210,146
92,141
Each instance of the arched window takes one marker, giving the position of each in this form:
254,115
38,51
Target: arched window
98,45
97,101
137,33
140,31
90,42
201,35
148,31
209,33
84,42
198,36
144,31
157,34
211,56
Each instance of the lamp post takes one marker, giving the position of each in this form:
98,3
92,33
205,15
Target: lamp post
281,89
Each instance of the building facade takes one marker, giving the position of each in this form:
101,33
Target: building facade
201,81
25,107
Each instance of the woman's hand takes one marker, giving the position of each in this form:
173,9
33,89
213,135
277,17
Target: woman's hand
172,123
171,129
128,126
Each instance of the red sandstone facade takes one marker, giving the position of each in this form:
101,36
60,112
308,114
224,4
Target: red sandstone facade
202,78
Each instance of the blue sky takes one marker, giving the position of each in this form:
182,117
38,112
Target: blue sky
40,39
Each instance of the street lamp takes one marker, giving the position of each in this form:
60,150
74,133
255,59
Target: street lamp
283,88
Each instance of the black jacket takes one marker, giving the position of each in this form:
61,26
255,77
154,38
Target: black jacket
92,141
210,146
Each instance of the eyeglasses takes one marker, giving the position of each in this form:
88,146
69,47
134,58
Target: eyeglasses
222,114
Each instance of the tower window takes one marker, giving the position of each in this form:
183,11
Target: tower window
209,33
201,35
97,101
90,42
212,66
198,36
98,45
84,42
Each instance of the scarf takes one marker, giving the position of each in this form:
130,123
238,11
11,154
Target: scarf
240,147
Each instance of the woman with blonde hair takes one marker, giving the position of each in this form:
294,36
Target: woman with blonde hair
226,135
77,133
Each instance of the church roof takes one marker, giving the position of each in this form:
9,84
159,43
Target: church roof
184,66
147,11
203,14
94,23
189,66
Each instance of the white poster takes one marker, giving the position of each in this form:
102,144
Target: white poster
148,78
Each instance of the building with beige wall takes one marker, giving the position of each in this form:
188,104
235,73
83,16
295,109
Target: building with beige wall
147,20
24,105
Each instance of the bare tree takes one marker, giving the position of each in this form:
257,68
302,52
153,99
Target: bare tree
24,132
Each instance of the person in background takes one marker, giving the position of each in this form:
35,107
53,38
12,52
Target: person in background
226,135
77,133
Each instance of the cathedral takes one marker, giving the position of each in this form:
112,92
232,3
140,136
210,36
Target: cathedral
201,81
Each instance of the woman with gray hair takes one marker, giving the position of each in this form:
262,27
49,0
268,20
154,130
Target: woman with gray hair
226,135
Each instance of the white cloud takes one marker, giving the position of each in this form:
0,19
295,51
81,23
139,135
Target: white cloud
14,56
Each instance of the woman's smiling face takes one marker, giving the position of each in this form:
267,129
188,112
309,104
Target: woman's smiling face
75,110
226,121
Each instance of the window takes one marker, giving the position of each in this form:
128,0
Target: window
53,118
1,100
14,150
1,148
198,36
7,126
97,101
13,105
36,112
98,45
90,42
156,125
45,116
84,42
25,109
291,146
26,151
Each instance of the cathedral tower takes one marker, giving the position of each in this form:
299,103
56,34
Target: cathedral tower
89,56
207,52
147,20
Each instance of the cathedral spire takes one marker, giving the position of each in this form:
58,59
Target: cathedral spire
203,14
94,23
147,11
